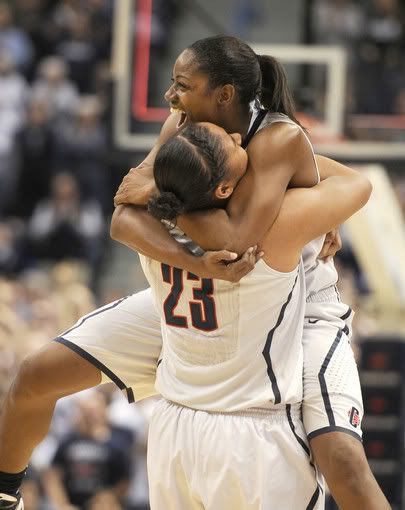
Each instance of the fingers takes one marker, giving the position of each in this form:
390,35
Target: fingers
248,261
225,255
325,250
118,199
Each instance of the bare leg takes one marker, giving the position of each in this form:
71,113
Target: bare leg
47,375
343,463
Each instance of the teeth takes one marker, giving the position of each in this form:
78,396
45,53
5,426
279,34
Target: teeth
175,110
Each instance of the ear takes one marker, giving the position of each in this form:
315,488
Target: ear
223,191
226,94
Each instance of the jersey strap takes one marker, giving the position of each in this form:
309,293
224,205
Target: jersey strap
254,128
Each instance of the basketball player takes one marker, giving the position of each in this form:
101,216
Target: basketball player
332,398
228,434
122,342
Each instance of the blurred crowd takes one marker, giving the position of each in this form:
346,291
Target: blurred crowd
55,188
56,194
373,33
95,454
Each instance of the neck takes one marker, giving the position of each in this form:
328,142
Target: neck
237,120
219,203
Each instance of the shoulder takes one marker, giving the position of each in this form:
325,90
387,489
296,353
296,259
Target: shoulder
280,140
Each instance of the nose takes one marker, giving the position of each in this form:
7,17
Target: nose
237,137
170,94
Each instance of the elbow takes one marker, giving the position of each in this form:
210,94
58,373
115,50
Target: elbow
117,221
366,189
234,244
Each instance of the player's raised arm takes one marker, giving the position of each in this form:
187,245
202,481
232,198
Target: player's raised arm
308,213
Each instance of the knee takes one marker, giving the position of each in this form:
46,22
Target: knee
29,382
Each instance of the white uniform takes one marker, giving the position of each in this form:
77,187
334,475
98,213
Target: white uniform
231,376
223,349
332,393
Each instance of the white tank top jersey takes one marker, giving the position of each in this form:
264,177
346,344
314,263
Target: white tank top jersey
319,275
230,347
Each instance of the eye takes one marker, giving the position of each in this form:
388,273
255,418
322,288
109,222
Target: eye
178,84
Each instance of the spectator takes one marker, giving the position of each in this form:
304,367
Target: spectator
13,94
88,461
337,22
380,58
78,50
136,419
29,16
54,87
82,146
63,226
63,14
35,148
334,22
11,246
15,40
32,491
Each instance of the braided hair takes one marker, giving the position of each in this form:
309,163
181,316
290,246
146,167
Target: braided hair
187,170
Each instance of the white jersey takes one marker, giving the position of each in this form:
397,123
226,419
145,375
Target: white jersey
229,347
319,275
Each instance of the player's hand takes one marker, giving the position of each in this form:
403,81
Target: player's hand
135,189
331,245
225,265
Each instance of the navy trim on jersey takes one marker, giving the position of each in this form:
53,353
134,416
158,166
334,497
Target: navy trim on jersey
267,347
254,128
130,395
94,361
292,427
325,430
314,499
337,294
97,312
322,381
347,314
306,449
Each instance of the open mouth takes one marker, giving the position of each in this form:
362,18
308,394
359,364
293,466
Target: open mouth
182,119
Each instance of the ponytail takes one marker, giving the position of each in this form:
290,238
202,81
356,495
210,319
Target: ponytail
275,94
165,206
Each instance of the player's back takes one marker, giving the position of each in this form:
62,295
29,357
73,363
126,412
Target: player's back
229,347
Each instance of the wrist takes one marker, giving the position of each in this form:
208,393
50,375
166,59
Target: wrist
192,263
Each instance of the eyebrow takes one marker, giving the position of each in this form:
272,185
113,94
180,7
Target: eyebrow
181,76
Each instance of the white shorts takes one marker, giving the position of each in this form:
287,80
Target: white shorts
123,339
332,393
236,461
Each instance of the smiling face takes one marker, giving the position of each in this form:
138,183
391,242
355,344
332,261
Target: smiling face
191,93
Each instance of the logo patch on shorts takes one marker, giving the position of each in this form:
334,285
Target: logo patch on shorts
354,417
